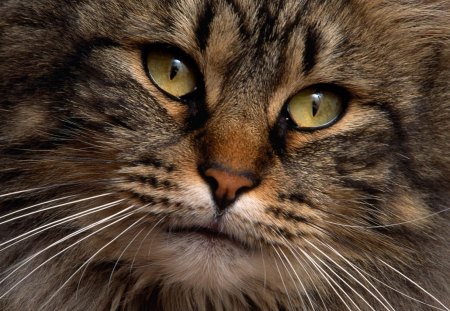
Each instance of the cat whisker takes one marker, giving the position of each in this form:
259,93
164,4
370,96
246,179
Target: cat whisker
107,181
78,159
299,279
264,265
22,191
302,263
35,205
331,282
349,274
55,223
354,267
391,225
143,239
284,284
121,254
52,207
86,263
30,258
398,291
415,284
290,274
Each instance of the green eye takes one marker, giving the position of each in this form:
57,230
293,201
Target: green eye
313,109
171,72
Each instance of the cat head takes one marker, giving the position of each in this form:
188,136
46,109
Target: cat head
224,145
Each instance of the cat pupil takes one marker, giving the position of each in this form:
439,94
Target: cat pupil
315,104
175,67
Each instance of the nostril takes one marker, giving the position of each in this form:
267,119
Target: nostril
227,185
213,184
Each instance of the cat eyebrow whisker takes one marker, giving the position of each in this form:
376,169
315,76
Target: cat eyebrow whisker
78,232
56,223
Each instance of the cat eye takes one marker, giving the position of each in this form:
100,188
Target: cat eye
171,71
315,108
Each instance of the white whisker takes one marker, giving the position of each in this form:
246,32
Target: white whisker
54,207
121,254
290,275
284,284
302,263
415,284
357,269
144,238
298,277
396,290
85,264
329,280
390,225
351,276
22,191
56,223
342,279
35,205
59,242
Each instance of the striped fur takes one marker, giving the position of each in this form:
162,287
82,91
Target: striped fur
350,217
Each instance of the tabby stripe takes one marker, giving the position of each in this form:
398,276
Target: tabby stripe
80,52
312,44
401,142
400,139
203,27
279,212
268,23
237,10
373,206
149,160
152,181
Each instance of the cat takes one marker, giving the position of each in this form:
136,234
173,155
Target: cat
224,155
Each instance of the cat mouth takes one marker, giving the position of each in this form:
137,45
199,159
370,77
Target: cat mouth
211,234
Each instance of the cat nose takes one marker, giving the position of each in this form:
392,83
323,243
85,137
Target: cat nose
226,185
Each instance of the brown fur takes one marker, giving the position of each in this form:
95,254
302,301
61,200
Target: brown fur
346,217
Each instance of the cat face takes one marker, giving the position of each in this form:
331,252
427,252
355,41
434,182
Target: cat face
219,149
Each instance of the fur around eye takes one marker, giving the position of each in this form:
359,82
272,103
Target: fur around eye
171,72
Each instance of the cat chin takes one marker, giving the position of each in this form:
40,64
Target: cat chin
198,261
191,262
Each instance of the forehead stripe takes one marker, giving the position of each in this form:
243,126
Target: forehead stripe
312,44
203,27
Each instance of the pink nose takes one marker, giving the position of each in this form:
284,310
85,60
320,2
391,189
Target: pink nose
227,185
